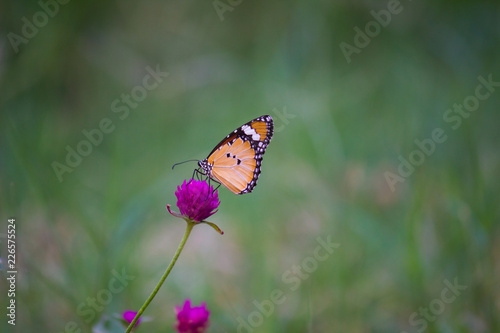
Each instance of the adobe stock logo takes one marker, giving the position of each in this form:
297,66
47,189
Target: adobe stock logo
419,320
293,278
454,118
222,6
283,117
95,136
92,306
362,39
30,28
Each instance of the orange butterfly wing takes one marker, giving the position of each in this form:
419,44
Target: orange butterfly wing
235,162
235,171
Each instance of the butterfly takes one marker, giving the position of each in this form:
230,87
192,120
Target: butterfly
236,161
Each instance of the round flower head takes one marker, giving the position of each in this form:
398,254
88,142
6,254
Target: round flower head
129,315
192,319
196,201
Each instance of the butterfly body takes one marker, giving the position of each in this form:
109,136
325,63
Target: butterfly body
236,161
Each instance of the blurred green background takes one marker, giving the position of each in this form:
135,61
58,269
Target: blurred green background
344,122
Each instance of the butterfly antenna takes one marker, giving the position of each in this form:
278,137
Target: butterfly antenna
173,166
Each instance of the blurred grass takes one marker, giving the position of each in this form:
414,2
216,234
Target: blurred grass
323,174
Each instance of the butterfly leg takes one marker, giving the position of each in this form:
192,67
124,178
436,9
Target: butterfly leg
200,176
192,177
217,187
215,181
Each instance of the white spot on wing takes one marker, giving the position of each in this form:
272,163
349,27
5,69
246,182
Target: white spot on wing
251,132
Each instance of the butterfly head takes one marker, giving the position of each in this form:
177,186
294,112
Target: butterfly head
204,167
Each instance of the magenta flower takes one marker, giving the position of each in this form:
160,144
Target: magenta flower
129,315
196,201
192,319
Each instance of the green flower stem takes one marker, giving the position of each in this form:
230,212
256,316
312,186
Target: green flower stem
189,227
